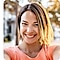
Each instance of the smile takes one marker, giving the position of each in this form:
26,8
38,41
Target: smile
28,36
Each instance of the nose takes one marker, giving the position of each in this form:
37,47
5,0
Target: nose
29,29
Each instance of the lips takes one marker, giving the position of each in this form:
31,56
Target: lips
30,36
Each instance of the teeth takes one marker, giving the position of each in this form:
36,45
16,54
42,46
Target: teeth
29,36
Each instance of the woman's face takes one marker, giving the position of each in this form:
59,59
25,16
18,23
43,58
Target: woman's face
29,27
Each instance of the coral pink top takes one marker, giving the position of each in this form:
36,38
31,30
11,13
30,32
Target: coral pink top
16,54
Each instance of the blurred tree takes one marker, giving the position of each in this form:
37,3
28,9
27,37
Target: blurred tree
54,9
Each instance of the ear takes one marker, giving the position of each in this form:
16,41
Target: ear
56,53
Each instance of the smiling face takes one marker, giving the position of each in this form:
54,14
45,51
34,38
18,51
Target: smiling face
29,27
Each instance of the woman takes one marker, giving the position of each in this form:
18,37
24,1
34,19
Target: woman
36,33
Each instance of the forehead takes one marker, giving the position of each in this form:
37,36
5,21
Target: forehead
28,15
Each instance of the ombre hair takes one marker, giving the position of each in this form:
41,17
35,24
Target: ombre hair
44,25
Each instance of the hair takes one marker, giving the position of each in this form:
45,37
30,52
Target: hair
45,28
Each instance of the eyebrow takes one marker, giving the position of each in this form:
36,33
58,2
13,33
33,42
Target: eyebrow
27,22
35,22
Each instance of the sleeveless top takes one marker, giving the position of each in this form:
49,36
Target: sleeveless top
16,54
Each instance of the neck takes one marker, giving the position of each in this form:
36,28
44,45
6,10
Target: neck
35,47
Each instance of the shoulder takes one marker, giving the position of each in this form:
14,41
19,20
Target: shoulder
10,53
56,53
50,49
10,50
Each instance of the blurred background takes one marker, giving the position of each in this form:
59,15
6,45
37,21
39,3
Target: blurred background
10,12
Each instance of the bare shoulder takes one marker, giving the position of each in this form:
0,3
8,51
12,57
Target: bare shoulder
6,56
56,53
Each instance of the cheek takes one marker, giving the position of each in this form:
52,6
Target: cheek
22,29
36,30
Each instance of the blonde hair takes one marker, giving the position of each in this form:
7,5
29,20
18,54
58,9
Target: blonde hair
47,32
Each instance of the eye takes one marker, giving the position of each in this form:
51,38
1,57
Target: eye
36,24
24,24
